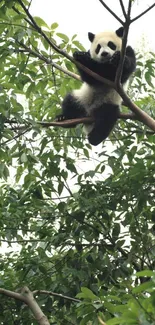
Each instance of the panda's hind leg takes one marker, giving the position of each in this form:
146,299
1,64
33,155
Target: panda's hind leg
71,109
105,119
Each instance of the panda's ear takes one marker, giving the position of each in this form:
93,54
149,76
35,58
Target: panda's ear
119,32
91,36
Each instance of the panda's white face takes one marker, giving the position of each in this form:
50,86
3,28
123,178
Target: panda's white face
104,45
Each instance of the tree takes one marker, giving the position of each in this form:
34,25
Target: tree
82,241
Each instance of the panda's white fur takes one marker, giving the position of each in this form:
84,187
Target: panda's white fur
94,96
91,96
103,39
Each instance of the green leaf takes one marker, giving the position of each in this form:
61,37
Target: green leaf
63,37
147,273
113,321
23,157
143,287
40,22
86,294
54,25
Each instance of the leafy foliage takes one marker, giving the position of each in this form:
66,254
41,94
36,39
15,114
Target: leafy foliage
76,222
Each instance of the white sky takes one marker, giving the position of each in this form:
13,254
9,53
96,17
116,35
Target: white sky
80,16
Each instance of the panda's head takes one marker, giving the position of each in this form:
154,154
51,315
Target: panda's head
105,44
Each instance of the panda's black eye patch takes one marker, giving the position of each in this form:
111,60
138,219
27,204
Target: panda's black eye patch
98,48
112,45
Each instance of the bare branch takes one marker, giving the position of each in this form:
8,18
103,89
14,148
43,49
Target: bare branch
82,120
123,9
140,114
50,293
123,49
36,310
13,294
112,12
143,13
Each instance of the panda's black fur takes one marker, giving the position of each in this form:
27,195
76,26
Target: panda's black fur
94,98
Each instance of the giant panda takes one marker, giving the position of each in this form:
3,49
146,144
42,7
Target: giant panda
94,98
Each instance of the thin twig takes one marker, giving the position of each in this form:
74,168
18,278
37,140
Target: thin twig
15,137
50,293
18,25
82,120
143,13
49,61
112,12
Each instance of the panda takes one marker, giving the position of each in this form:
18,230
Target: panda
96,99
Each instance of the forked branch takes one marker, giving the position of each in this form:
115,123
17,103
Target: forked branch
141,115
26,296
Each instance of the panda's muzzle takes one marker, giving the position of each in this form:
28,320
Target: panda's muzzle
104,54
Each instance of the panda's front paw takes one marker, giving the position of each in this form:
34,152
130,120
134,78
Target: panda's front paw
80,56
115,58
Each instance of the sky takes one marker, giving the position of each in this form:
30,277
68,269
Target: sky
80,16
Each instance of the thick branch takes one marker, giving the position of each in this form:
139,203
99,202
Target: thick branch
13,294
140,114
26,296
36,310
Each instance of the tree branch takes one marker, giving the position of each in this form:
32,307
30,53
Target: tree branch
40,31
123,9
143,13
123,49
13,294
141,115
26,296
49,61
50,293
82,120
19,13
112,12
36,310
144,117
